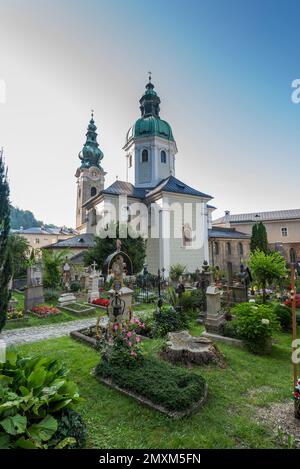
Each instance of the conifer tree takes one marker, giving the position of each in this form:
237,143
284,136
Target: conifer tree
259,239
5,255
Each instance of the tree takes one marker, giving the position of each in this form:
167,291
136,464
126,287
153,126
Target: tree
5,255
52,263
259,238
267,268
20,249
134,247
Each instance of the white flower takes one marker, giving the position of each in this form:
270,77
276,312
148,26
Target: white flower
265,321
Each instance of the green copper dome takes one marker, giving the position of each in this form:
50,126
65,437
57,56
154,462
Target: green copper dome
91,155
150,124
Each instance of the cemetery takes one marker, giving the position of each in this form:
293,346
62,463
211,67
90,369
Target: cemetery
191,355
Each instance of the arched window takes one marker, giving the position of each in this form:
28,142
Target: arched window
93,191
216,248
163,156
145,156
228,249
240,249
293,258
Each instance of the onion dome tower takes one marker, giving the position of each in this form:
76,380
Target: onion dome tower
150,146
90,175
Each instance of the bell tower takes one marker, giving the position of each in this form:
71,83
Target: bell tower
90,175
150,146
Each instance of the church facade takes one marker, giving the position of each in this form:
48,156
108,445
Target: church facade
171,215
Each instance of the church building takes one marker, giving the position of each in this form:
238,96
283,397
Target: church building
172,215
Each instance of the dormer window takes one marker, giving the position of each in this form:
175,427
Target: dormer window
145,156
163,156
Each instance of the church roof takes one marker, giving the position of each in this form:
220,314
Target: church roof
124,188
85,240
172,184
227,233
275,215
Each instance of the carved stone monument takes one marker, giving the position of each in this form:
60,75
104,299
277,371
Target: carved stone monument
121,296
34,293
93,289
215,317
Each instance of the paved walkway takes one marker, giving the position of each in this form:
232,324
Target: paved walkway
36,333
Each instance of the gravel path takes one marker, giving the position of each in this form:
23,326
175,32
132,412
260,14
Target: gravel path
36,333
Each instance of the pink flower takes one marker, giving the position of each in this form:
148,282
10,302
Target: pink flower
116,327
130,344
129,334
133,353
137,339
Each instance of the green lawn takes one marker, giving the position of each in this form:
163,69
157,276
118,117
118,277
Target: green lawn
226,421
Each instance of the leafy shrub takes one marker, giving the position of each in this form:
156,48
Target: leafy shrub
176,271
255,325
33,393
51,294
168,319
172,387
75,286
284,316
123,346
70,425
228,329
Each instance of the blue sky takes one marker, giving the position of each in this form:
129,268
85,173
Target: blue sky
223,70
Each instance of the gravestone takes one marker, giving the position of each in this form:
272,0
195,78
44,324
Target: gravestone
93,289
66,299
215,317
121,296
34,293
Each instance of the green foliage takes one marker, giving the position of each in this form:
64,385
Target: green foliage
172,387
191,300
267,268
168,319
176,271
255,325
70,425
23,218
5,253
259,239
134,247
172,297
52,262
123,346
20,249
284,316
33,392
51,294
75,286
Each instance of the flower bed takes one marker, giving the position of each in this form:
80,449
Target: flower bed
13,315
45,311
168,389
101,302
